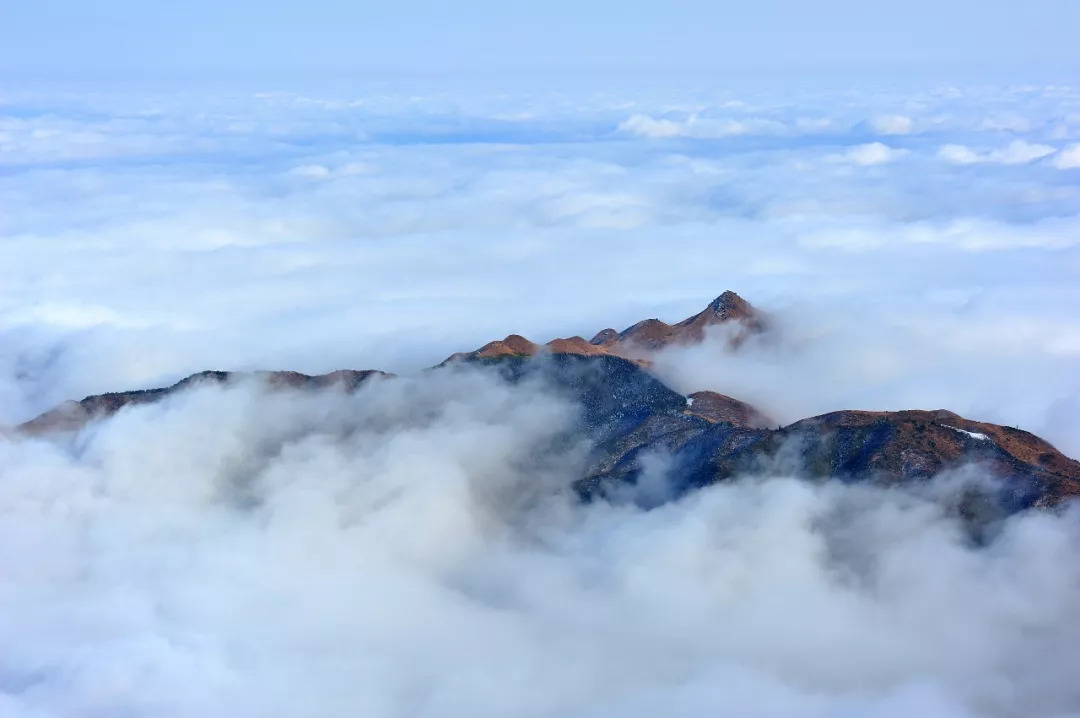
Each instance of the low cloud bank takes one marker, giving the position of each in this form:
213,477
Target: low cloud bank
413,550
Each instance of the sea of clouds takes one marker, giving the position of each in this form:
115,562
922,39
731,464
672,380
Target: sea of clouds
413,550
149,233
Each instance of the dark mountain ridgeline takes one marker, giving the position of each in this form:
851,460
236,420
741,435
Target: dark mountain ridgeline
628,414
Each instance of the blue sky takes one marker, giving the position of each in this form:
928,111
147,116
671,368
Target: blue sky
134,37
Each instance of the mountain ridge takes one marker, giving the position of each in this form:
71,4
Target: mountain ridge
707,436
640,339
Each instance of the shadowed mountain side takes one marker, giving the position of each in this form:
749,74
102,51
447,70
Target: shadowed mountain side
73,415
629,415
884,447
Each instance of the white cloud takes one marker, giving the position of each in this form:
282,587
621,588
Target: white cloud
1008,122
873,153
414,548
1068,158
1020,152
959,155
646,126
969,234
698,127
1017,152
892,125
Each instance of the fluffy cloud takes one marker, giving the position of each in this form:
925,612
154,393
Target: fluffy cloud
1068,158
892,125
960,155
873,153
413,550
698,127
1017,152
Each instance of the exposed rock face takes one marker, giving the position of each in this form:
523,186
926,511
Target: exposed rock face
628,414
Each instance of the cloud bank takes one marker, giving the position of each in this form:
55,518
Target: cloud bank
414,550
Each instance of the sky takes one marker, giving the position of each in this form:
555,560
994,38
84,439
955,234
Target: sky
109,38
332,185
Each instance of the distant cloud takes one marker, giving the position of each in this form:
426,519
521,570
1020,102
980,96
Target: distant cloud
1068,158
873,153
960,155
316,171
312,171
969,234
698,127
1017,152
1008,122
1020,152
892,124
646,126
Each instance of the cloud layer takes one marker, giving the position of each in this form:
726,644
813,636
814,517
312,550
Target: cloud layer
414,550
152,234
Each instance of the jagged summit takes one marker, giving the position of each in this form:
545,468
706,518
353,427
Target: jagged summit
637,341
729,302
728,306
